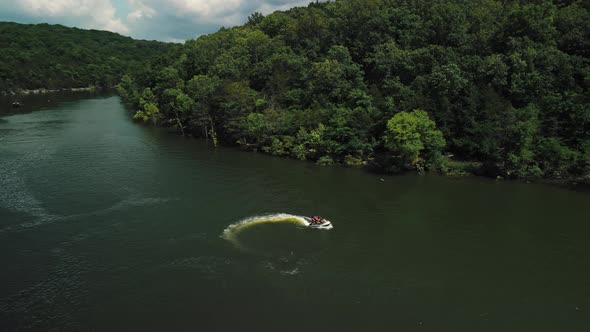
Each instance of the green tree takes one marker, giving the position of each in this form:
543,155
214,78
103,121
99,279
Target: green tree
202,89
255,127
148,107
125,87
255,18
520,161
47,56
414,139
179,106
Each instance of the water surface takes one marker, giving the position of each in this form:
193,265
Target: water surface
110,225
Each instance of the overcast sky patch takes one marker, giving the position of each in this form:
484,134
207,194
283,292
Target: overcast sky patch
167,20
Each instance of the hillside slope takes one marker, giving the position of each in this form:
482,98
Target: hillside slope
503,85
54,56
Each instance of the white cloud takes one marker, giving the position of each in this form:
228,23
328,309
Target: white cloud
148,19
95,14
139,11
197,17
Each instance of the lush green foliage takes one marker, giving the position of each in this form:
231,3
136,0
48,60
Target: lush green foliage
55,57
414,139
505,82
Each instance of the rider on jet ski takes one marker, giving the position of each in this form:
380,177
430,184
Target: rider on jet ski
316,220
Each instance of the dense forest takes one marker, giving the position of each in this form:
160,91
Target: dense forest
489,86
55,57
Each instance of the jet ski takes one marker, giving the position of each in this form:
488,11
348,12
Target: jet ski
319,224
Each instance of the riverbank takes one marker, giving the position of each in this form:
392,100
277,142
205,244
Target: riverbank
451,167
21,92
43,99
462,168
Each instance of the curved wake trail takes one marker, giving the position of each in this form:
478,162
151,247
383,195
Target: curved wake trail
232,231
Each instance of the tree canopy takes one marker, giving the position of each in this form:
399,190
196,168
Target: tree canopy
55,57
414,139
503,83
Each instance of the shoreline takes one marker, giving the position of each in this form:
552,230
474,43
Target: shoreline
26,92
455,168
42,98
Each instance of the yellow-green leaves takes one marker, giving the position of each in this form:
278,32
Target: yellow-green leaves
148,107
414,137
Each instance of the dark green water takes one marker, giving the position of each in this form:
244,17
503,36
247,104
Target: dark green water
106,225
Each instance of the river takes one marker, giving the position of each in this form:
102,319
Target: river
108,225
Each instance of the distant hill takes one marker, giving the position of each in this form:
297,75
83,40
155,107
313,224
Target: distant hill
48,56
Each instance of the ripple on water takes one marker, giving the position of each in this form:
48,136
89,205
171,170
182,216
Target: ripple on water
206,266
32,207
48,303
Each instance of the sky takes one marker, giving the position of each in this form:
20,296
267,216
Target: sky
166,20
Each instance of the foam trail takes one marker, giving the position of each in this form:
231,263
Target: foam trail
241,225
232,231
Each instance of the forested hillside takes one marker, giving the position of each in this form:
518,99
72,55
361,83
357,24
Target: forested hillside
500,87
54,57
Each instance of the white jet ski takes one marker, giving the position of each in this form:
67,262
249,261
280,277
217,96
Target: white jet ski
323,224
